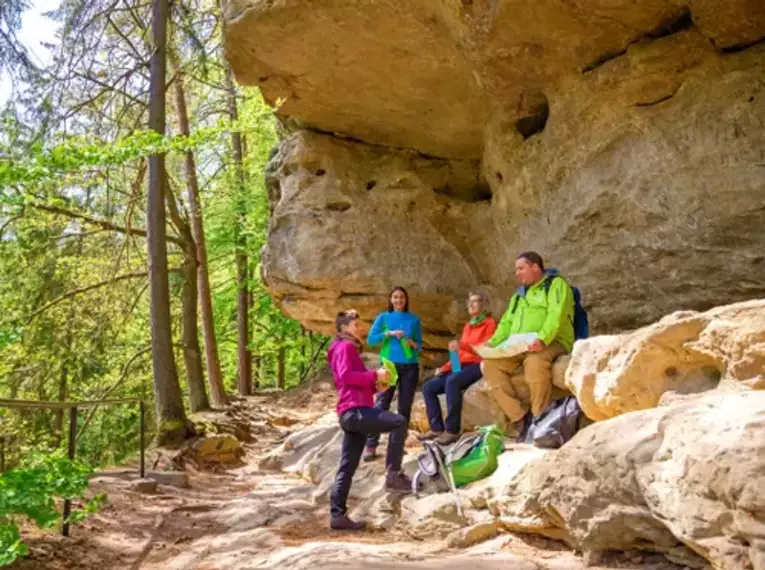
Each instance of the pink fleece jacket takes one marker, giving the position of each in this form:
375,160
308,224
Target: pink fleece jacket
355,384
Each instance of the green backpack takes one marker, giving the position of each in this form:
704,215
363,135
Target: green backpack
475,457
472,458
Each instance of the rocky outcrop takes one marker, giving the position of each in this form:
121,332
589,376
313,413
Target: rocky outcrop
313,454
623,140
356,196
684,480
684,353
689,475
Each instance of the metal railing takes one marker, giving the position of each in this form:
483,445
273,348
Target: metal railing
73,408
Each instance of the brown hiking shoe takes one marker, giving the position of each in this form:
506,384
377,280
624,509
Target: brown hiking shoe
398,481
428,435
447,438
344,523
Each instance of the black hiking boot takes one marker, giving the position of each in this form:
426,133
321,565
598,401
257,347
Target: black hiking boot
522,426
398,481
344,523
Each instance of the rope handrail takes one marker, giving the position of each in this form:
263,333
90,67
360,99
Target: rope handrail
73,408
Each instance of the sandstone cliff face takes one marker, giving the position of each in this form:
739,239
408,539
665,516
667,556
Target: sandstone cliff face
434,139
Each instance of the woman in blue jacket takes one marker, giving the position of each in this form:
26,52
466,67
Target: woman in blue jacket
400,334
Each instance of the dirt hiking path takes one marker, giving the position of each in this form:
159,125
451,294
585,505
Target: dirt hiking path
247,518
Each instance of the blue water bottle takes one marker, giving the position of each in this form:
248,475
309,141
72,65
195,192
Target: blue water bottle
454,358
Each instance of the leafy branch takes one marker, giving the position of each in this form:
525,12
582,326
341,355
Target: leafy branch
77,154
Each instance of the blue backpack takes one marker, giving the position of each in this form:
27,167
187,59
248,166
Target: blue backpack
581,321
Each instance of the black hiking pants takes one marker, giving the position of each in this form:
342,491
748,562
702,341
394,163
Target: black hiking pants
453,385
358,423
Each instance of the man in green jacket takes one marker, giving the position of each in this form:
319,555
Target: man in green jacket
544,305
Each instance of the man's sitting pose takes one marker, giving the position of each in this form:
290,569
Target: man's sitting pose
544,305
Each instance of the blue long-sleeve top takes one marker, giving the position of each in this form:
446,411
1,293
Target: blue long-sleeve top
392,348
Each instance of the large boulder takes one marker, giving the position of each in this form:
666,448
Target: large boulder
691,476
433,141
684,353
313,453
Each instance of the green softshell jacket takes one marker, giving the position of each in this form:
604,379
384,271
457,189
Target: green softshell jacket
550,314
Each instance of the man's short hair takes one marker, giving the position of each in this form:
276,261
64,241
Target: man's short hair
344,318
532,257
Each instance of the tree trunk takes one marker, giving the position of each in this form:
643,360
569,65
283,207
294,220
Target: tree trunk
62,390
63,381
191,354
254,361
214,375
282,366
256,374
242,319
314,358
303,363
171,416
242,306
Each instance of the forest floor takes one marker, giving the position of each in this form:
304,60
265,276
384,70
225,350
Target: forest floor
245,518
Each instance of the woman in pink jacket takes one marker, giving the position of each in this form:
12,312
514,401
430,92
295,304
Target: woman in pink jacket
356,387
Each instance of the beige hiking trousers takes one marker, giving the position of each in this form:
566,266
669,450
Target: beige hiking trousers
537,373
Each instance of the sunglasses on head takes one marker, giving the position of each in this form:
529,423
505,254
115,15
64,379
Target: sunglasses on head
353,313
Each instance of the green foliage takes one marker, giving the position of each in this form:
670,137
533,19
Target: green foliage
31,492
73,216
40,164
272,332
